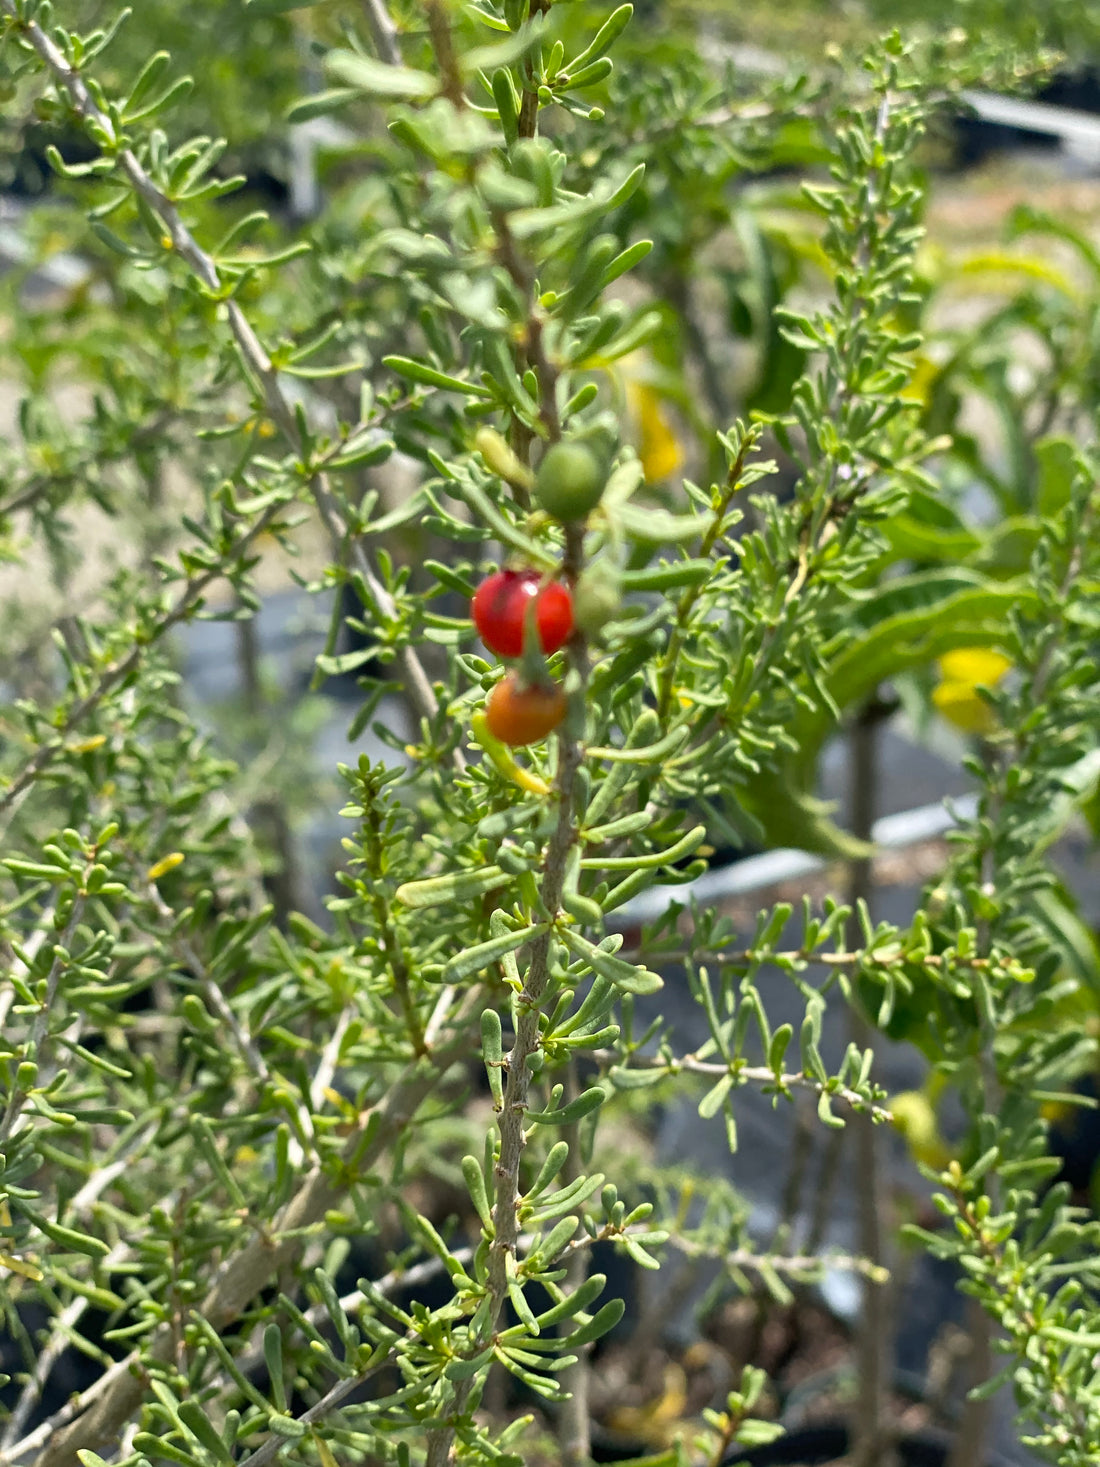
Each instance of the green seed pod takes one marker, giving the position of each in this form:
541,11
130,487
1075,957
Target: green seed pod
570,481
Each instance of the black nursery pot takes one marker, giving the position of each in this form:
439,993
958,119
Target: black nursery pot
818,1446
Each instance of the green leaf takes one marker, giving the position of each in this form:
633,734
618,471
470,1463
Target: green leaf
466,1369
791,819
69,1238
625,976
1059,461
484,954
633,753
414,371
555,1159
626,1079
687,843
576,1109
604,38
457,887
320,104
956,615
379,79
475,1184
582,1296
650,525
669,575
526,223
756,1433
602,1321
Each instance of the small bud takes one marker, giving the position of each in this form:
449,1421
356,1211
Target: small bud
501,459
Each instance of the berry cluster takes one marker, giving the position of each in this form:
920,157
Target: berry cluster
513,607
504,606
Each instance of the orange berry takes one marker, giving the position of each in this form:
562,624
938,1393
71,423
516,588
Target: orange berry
519,715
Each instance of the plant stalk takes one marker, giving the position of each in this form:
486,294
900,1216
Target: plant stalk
874,1342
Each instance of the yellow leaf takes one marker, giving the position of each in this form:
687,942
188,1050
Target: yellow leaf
85,746
656,1421
162,868
920,384
996,262
324,1451
501,757
17,1265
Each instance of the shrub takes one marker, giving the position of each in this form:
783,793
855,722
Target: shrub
218,1112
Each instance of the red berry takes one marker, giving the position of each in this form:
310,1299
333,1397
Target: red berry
520,715
499,610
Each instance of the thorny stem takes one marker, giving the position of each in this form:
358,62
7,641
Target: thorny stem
573,1424
527,1008
977,1414
1023,1325
529,106
279,408
531,351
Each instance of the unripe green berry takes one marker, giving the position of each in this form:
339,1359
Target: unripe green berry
570,481
597,597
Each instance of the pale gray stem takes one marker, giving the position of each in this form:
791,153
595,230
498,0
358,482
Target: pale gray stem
747,1075
513,1113
383,31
